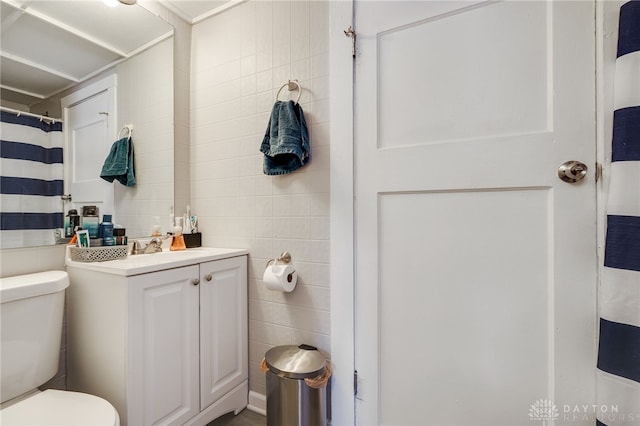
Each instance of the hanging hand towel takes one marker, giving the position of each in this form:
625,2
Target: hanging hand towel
119,163
286,142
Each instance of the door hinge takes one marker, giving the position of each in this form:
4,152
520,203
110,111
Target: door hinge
355,382
351,33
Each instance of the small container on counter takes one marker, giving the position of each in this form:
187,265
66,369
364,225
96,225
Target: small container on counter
120,235
90,220
71,222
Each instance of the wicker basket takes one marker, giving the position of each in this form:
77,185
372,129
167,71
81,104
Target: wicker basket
97,254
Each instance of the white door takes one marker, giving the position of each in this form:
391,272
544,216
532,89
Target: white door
163,347
475,264
90,130
223,327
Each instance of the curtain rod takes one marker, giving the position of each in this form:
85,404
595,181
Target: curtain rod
38,116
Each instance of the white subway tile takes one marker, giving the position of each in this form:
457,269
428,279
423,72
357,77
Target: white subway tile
319,228
320,273
301,250
259,291
281,77
300,18
247,187
319,27
234,80
304,272
320,88
248,85
264,59
300,205
281,228
264,184
264,248
260,310
264,227
264,206
282,206
264,81
318,135
282,184
320,160
300,228
300,49
248,65
272,334
280,245
319,251
258,351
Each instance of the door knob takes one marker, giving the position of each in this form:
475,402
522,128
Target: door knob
208,277
572,171
195,281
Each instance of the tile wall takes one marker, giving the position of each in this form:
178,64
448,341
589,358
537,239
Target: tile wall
145,99
239,60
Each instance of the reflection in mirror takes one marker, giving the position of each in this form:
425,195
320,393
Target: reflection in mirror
51,50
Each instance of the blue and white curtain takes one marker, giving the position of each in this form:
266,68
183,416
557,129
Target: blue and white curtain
618,375
32,180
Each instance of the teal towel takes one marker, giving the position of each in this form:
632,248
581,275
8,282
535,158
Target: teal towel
119,163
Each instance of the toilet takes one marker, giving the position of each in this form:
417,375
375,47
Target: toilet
31,318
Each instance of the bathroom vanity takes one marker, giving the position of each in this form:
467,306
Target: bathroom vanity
161,336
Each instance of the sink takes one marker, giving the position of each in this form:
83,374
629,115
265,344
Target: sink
166,259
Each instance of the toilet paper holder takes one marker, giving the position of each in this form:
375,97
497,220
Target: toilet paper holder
285,257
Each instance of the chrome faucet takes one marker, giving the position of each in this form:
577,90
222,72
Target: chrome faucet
154,246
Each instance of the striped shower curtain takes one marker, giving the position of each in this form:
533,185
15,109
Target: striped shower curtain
31,180
618,374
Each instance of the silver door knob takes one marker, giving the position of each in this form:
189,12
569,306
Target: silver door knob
572,171
195,281
208,277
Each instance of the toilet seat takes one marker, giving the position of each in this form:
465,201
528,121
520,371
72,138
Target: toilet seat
55,407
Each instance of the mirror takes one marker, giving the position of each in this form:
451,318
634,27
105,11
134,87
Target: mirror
52,49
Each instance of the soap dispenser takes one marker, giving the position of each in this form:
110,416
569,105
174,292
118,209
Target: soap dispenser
177,243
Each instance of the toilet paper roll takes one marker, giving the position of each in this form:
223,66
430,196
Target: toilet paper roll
280,277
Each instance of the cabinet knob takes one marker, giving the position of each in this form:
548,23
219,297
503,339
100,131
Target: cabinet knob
195,281
208,277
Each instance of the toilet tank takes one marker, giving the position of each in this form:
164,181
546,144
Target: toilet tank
31,321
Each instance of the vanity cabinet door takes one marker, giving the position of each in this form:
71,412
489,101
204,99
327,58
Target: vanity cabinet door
223,327
162,383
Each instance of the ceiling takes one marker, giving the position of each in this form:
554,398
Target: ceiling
194,11
48,46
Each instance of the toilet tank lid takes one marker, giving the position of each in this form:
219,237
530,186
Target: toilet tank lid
31,285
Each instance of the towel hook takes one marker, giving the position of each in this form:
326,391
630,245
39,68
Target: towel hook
128,128
291,85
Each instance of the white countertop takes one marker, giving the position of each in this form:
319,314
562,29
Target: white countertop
145,263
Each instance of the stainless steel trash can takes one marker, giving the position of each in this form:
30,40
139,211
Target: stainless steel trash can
297,386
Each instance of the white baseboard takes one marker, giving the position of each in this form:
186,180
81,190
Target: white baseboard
257,403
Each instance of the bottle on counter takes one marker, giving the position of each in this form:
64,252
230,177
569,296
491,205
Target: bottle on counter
106,231
71,221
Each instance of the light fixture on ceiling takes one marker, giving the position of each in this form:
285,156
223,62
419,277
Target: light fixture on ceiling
114,3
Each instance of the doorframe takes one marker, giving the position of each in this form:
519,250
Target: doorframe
341,213
341,216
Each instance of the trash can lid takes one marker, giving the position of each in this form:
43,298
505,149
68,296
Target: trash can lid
296,362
